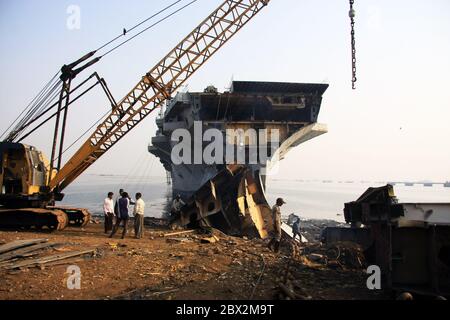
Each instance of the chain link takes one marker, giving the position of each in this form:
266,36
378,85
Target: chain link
352,20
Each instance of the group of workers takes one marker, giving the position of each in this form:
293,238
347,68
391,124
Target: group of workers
120,212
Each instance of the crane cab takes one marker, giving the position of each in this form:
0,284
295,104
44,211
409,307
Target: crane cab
23,176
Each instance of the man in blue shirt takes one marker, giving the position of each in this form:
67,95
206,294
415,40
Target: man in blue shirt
296,229
123,205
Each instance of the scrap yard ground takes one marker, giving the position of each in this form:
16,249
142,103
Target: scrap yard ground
189,266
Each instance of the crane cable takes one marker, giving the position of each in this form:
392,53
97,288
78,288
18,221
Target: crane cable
41,101
49,96
84,133
137,25
121,44
39,107
31,104
149,27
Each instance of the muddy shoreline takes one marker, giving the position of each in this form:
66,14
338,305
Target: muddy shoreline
190,266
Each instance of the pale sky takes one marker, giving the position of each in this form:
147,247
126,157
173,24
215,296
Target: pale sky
395,126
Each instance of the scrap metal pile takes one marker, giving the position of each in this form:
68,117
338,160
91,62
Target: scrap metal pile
410,242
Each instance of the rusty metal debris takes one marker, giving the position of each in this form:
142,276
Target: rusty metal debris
230,195
410,242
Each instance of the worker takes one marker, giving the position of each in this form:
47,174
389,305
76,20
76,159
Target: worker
274,244
138,213
296,229
116,205
122,215
108,210
177,204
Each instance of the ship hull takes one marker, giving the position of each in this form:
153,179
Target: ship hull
229,194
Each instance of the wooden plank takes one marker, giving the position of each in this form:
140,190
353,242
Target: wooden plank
288,230
19,244
25,252
6,263
44,260
178,233
63,256
165,292
66,262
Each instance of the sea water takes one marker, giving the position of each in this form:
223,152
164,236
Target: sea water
308,199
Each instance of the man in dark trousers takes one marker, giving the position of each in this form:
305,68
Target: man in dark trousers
274,244
139,208
296,230
116,205
123,205
108,210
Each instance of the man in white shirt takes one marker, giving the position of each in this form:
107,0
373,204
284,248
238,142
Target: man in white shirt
108,210
139,208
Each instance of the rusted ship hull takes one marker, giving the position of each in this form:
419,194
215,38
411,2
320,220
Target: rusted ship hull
230,196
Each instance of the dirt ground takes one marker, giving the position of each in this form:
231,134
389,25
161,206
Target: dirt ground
178,267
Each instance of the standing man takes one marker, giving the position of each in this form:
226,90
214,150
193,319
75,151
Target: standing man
116,205
108,210
274,244
138,212
123,205
296,229
177,204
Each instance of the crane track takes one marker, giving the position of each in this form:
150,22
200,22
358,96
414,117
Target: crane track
33,218
51,218
78,217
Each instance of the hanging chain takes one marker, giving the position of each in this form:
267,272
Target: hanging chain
352,15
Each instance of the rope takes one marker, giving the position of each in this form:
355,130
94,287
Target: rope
142,171
263,269
145,174
133,169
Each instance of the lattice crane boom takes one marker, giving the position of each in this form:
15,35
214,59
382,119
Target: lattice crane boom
159,83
